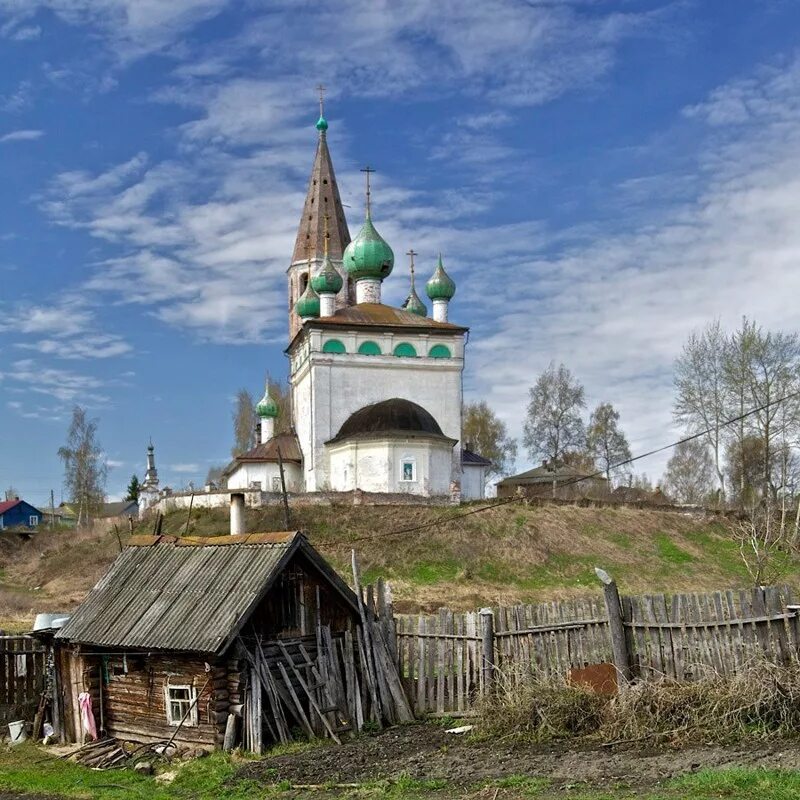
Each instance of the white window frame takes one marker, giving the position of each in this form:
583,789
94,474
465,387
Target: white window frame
33,521
413,462
276,484
176,706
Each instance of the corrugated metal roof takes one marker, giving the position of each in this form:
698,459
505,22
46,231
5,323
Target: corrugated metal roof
190,594
383,315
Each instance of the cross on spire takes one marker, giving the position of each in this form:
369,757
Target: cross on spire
411,253
321,90
368,170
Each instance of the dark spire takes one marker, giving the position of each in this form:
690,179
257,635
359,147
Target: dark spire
322,198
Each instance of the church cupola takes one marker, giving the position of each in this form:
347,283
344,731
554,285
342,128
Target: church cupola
440,288
308,305
267,410
327,283
368,259
412,302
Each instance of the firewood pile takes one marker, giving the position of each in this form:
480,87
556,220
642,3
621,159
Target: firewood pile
110,753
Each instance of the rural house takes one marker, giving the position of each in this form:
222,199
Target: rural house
570,483
193,637
18,514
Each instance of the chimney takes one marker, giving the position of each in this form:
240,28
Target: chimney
237,513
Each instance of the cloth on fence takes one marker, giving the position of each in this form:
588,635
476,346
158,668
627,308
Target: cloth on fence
87,716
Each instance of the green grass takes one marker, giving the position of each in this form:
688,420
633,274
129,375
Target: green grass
670,553
30,769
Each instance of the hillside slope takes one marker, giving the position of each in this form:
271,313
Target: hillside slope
507,554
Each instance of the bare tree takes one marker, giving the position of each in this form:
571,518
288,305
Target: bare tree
700,402
690,472
553,425
11,493
605,441
85,470
280,392
244,423
488,434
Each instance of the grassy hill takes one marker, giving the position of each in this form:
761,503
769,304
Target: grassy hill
508,554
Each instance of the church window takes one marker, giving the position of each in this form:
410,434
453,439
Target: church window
276,484
303,281
405,350
408,470
369,349
333,346
325,181
440,351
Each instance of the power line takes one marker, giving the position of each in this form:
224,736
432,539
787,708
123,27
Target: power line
572,481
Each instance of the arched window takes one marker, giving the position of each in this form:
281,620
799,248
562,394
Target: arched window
303,281
440,351
333,346
369,349
405,350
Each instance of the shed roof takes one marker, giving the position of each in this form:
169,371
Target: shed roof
187,594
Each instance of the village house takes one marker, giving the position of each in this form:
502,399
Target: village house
562,481
18,514
188,637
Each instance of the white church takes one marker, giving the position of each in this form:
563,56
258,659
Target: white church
376,391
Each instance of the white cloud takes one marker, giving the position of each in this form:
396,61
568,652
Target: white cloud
58,384
184,468
24,135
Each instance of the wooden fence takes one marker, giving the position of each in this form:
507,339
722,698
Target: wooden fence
23,671
446,660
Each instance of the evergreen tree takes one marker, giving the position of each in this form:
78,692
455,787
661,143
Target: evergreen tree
133,489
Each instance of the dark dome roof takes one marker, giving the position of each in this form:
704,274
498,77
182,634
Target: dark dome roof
395,416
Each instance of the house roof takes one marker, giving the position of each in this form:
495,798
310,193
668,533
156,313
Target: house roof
545,475
7,505
268,452
117,509
187,594
470,458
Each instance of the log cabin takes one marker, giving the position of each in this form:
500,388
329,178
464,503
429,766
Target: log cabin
170,641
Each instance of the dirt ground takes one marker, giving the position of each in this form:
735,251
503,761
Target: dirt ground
426,752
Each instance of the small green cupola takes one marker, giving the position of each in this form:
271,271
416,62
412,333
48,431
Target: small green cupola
267,408
368,257
327,280
307,305
412,302
441,286
322,124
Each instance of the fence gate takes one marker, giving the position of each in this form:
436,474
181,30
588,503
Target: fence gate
23,669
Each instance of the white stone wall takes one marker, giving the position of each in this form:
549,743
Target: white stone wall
329,387
376,466
247,474
473,482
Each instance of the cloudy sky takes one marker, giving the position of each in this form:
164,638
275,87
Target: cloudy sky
602,178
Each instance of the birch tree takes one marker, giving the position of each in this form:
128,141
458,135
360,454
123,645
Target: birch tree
553,425
85,469
488,434
605,441
700,402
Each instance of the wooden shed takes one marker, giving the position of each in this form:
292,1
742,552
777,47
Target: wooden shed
188,637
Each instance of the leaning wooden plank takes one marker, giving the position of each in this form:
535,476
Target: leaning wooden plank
310,695
301,714
367,650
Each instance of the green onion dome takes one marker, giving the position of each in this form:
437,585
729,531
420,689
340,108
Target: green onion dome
307,304
267,407
415,305
441,286
368,255
322,124
327,280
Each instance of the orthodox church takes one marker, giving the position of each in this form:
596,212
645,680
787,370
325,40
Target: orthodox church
376,391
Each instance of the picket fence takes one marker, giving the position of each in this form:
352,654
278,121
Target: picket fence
23,672
443,657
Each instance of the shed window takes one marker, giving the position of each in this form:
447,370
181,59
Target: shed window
369,349
179,700
333,346
33,521
405,350
440,351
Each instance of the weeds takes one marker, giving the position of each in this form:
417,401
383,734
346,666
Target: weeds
762,700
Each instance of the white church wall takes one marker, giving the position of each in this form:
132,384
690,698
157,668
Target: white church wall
268,475
381,466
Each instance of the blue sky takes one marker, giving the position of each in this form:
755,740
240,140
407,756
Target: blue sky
602,177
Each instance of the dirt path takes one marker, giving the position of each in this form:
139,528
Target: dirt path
427,752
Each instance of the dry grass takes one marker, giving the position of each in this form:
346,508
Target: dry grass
762,701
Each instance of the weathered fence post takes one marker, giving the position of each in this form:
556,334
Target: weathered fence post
616,627
487,656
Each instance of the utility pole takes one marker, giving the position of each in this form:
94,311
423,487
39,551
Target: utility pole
52,508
